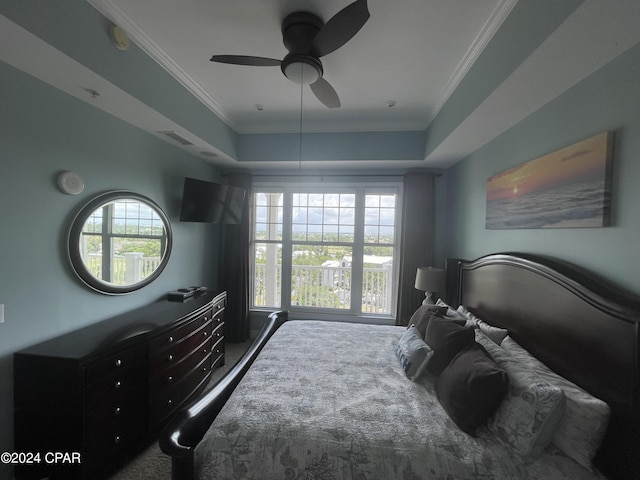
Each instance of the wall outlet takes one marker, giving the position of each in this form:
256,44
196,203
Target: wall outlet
1,313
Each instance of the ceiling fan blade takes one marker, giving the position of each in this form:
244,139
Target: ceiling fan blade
246,60
325,93
341,28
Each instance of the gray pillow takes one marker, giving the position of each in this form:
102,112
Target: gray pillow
471,388
446,338
423,315
494,333
420,318
583,426
413,353
527,418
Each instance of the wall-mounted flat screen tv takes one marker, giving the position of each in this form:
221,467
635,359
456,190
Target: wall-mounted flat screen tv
210,202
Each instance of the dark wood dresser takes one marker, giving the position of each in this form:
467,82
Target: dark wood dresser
103,392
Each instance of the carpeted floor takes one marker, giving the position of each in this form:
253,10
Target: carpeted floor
152,464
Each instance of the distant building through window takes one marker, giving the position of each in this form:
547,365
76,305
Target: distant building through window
328,249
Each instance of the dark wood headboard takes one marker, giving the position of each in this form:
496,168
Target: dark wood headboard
578,324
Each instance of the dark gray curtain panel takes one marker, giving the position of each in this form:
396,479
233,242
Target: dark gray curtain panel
236,266
416,241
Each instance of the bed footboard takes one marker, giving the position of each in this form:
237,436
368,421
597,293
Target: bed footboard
180,437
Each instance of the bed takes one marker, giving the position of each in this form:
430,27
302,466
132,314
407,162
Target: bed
329,400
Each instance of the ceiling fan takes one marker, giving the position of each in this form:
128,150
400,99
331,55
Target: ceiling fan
307,38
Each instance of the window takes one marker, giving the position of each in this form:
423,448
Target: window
329,249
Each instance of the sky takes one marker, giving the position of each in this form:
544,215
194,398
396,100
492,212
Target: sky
313,212
570,164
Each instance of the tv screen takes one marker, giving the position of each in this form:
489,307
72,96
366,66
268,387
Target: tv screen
210,202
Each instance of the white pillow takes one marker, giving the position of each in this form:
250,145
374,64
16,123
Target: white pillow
584,423
494,333
527,418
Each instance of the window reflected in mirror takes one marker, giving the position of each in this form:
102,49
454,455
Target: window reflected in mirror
119,242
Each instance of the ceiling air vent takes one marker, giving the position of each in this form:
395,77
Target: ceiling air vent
176,137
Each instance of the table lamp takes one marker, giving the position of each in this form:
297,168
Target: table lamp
430,280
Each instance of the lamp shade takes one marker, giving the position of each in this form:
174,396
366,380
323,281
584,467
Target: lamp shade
429,279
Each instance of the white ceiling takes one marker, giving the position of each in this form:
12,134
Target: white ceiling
412,52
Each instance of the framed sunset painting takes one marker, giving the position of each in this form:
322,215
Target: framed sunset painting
569,188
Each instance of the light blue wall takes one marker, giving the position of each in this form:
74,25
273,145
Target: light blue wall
78,30
42,132
607,100
528,25
352,146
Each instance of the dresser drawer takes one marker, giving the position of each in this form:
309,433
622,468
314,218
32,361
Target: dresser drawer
130,358
166,400
120,403
175,353
218,331
174,336
108,377
162,377
107,435
218,313
217,354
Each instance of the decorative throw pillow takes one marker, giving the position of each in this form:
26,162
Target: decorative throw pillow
582,428
494,333
420,318
413,353
471,388
446,338
527,418
451,312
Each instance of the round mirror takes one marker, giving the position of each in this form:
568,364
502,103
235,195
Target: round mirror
119,242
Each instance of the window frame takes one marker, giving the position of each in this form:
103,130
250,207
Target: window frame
358,246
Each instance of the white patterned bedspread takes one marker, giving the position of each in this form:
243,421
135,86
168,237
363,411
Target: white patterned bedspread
329,401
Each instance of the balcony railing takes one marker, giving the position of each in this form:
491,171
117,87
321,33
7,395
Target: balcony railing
324,287
125,269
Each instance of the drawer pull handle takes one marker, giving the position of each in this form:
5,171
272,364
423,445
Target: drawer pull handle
117,439
170,339
118,363
118,384
218,335
205,318
170,379
217,351
117,411
204,369
205,333
170,357
169,402
204,350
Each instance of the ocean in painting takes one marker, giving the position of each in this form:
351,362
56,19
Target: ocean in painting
579,204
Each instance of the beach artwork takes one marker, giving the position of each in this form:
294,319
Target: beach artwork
569,188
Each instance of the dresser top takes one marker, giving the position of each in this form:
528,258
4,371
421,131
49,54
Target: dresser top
120,330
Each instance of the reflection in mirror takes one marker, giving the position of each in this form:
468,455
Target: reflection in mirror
119,242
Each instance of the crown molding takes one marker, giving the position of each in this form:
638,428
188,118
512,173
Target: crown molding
329,127
488,30
113,12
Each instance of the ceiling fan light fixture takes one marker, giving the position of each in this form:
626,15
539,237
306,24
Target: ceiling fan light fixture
307,38
302,69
